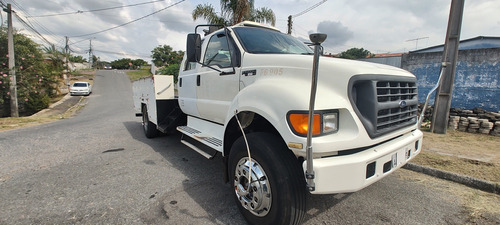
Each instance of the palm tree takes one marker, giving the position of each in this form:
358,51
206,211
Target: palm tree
233,12
56,57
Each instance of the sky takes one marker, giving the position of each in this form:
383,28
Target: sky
381,26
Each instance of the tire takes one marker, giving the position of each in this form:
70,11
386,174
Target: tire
149,128
278,193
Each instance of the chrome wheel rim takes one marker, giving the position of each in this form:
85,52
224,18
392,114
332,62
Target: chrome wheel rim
254,196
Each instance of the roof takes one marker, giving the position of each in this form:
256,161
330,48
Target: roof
386,55
479,42
254,24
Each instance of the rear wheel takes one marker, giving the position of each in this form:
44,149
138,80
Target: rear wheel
276,193
149,128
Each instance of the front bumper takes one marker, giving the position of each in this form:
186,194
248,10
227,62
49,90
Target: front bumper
79,92
350,173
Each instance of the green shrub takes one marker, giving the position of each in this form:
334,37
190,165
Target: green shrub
36,102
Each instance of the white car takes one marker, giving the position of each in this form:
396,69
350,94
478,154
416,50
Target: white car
80,88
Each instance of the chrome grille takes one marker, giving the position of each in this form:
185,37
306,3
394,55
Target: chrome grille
397,95
395,91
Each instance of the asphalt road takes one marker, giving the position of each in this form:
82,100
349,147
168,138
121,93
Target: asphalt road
98,168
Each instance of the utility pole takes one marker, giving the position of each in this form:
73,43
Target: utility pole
444,93
14,108
289,24
66,52
90,54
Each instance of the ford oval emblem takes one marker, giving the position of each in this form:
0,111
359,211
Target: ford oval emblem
402,104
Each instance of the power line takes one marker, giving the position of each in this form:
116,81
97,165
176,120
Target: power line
32,29
121,53
96,10
25,12
309,9
127,23
416,41
76,42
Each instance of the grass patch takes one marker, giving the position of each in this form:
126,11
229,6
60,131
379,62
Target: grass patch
9,123
89,74
83,76
469,167
470,154
138,74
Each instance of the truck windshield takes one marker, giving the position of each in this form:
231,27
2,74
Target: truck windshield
265,41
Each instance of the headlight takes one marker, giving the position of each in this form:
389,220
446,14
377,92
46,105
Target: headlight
324,122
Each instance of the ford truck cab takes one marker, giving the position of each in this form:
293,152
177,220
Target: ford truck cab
245,91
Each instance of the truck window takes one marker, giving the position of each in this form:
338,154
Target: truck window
217,52
265,41
189,65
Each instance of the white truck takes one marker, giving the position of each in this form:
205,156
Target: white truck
245,92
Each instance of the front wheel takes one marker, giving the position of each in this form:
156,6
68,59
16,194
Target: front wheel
276,191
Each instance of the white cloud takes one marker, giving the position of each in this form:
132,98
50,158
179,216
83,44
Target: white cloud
338,34
379,26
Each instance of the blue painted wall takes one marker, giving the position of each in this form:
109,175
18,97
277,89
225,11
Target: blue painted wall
477,78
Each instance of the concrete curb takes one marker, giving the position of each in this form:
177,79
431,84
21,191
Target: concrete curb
70,103
461,179
52,106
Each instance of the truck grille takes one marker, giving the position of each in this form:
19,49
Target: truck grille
384,103
392,92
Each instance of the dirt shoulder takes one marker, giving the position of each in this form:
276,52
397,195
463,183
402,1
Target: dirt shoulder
61,107
470,154
67,107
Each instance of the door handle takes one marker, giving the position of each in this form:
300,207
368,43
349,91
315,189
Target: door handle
198,80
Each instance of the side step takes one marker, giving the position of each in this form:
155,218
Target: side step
175,118
205,139
196,149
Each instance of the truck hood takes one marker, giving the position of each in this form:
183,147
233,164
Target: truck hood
292,73
342,84
328,66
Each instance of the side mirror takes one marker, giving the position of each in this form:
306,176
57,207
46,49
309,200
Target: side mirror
193,48
317,38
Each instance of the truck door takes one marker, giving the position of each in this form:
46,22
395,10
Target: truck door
187,88
216,90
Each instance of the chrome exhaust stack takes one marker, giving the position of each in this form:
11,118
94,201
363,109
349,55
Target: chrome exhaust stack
316,40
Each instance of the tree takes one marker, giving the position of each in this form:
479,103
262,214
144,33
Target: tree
233,12
95,61
355,53
77,59
127,63
137,63
36,75
172,69
165,55
56,62
121,63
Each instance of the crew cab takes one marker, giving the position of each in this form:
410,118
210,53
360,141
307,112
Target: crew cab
244,93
